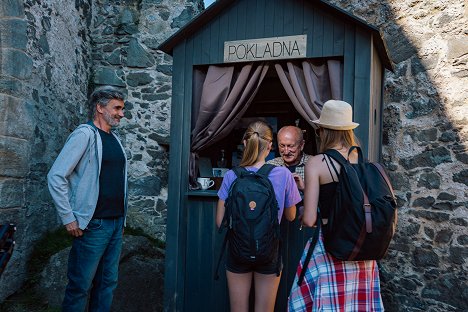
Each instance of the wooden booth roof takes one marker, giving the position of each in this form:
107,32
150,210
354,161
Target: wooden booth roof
214,10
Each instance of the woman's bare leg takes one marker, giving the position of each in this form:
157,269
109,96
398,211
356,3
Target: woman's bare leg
266,287
239,290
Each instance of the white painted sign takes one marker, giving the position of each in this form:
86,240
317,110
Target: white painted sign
275,48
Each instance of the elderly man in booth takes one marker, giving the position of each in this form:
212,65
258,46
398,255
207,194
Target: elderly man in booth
290,146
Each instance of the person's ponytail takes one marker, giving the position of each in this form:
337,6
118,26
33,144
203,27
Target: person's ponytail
251,151
256,139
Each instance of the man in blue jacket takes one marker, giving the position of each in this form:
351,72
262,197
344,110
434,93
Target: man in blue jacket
88,183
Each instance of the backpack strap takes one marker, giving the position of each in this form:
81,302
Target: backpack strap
278,263
216,275
265,170
311,249
359,150
384,175
239,171
328,166
366,206
336,156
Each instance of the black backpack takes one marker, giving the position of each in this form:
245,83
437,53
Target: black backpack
362,222
251,219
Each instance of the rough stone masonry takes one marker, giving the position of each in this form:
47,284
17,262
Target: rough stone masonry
52,52
425,149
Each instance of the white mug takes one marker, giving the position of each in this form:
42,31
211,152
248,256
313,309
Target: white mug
205,183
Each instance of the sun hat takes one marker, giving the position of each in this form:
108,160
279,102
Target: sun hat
336,115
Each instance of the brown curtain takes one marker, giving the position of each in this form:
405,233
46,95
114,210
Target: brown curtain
226,93
310,84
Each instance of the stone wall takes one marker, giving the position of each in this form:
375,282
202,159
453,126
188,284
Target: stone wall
44,71
425,149
53,53
124,53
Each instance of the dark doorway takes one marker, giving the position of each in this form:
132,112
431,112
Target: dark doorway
271,104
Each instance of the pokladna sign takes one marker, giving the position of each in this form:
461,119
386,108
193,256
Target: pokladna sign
265,49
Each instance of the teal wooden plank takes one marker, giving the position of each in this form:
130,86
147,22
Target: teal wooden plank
338,37
318,34
223,35
205,44
242,22
362,86
348,64
251,15
207,223
327,35
260,18
294,241
278,17
288,17
197,48
298,15
193,278
380,115
198,283
184,153
220,290
269,19
282,294
308,26
216,51
185,125
175,241
232,23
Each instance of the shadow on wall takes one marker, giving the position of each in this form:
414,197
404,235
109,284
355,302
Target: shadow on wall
425,150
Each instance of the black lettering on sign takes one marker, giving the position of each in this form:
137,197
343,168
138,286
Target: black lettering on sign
267,50
277,49
249,49
295,48
242,55
287,48
232,50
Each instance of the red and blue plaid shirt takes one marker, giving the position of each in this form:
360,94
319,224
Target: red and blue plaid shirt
336,286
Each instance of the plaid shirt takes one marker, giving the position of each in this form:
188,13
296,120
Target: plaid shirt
278,161
332,285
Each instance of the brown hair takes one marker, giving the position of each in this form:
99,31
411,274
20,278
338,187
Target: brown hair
257,137
330,138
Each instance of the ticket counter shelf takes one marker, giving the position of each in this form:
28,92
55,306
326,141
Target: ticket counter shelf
201,193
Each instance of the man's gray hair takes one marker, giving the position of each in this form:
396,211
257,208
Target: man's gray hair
102,96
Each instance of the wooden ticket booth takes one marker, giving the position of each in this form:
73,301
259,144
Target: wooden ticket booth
275,60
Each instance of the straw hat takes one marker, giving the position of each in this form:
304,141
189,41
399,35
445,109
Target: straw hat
336,115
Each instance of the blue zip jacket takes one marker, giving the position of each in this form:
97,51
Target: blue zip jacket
74,177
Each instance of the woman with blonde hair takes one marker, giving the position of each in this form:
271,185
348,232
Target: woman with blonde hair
257,142
330,284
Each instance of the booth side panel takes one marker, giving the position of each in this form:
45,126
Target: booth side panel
294,241
362,87
175,238
348,64
375,122
203,293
